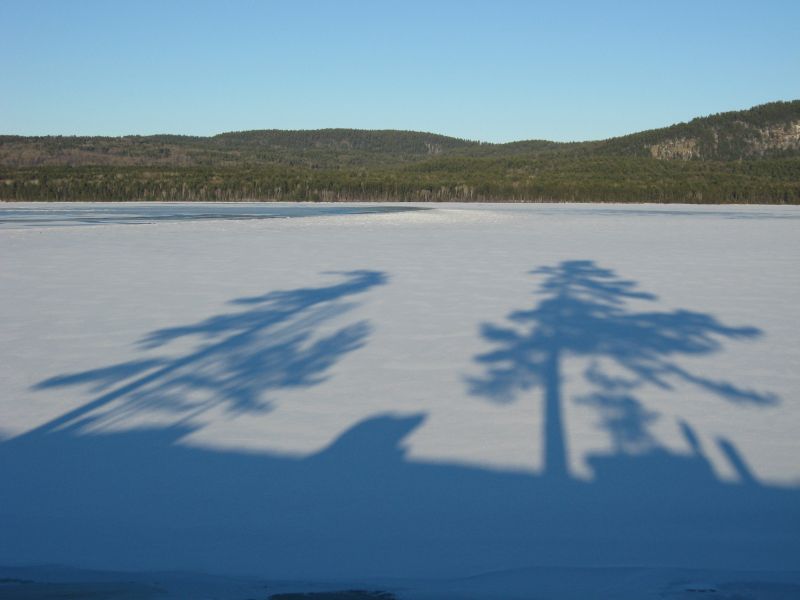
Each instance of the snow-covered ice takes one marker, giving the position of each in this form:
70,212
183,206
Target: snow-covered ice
529,391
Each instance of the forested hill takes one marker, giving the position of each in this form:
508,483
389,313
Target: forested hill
764,131
769,130
313,148
743,156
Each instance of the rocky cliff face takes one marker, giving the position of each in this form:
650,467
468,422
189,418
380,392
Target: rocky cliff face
786,137
747,142
679,148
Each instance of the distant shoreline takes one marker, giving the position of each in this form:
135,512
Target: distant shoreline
11,202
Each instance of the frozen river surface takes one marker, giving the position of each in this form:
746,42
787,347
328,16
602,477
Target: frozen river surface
421,396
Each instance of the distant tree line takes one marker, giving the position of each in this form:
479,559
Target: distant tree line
551,178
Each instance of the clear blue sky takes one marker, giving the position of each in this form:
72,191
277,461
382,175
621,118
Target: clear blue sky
494,71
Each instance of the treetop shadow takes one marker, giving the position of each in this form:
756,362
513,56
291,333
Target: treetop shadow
273,342
584,312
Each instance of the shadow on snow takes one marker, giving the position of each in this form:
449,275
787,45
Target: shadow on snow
239,359
584,313
138,499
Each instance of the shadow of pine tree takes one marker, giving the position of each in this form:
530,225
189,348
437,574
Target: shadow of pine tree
238,359
584,312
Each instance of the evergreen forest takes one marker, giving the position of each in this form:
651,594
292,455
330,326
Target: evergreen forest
750,156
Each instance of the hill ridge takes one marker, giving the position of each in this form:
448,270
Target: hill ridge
771,129
739,156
